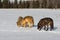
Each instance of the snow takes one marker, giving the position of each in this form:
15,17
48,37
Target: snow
10,31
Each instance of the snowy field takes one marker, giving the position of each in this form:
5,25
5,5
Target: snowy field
10,31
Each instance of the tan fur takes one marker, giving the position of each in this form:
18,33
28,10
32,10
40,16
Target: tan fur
19,21
27,20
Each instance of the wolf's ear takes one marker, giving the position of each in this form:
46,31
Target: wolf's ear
20,16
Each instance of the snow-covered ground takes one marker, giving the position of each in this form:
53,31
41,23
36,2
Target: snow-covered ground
10,31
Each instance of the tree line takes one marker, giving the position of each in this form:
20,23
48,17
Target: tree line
30,4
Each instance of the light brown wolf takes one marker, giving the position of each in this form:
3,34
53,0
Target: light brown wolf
27,21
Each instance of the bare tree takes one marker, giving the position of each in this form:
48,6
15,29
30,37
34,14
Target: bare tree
47,3
40,3
19,5
10,4
31,3
5,3
26,4
0,4
15,4
58,3
35,4
22,4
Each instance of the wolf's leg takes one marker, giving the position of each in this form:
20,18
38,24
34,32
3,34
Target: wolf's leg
44,27
40,28
47,28
24,25
51,27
